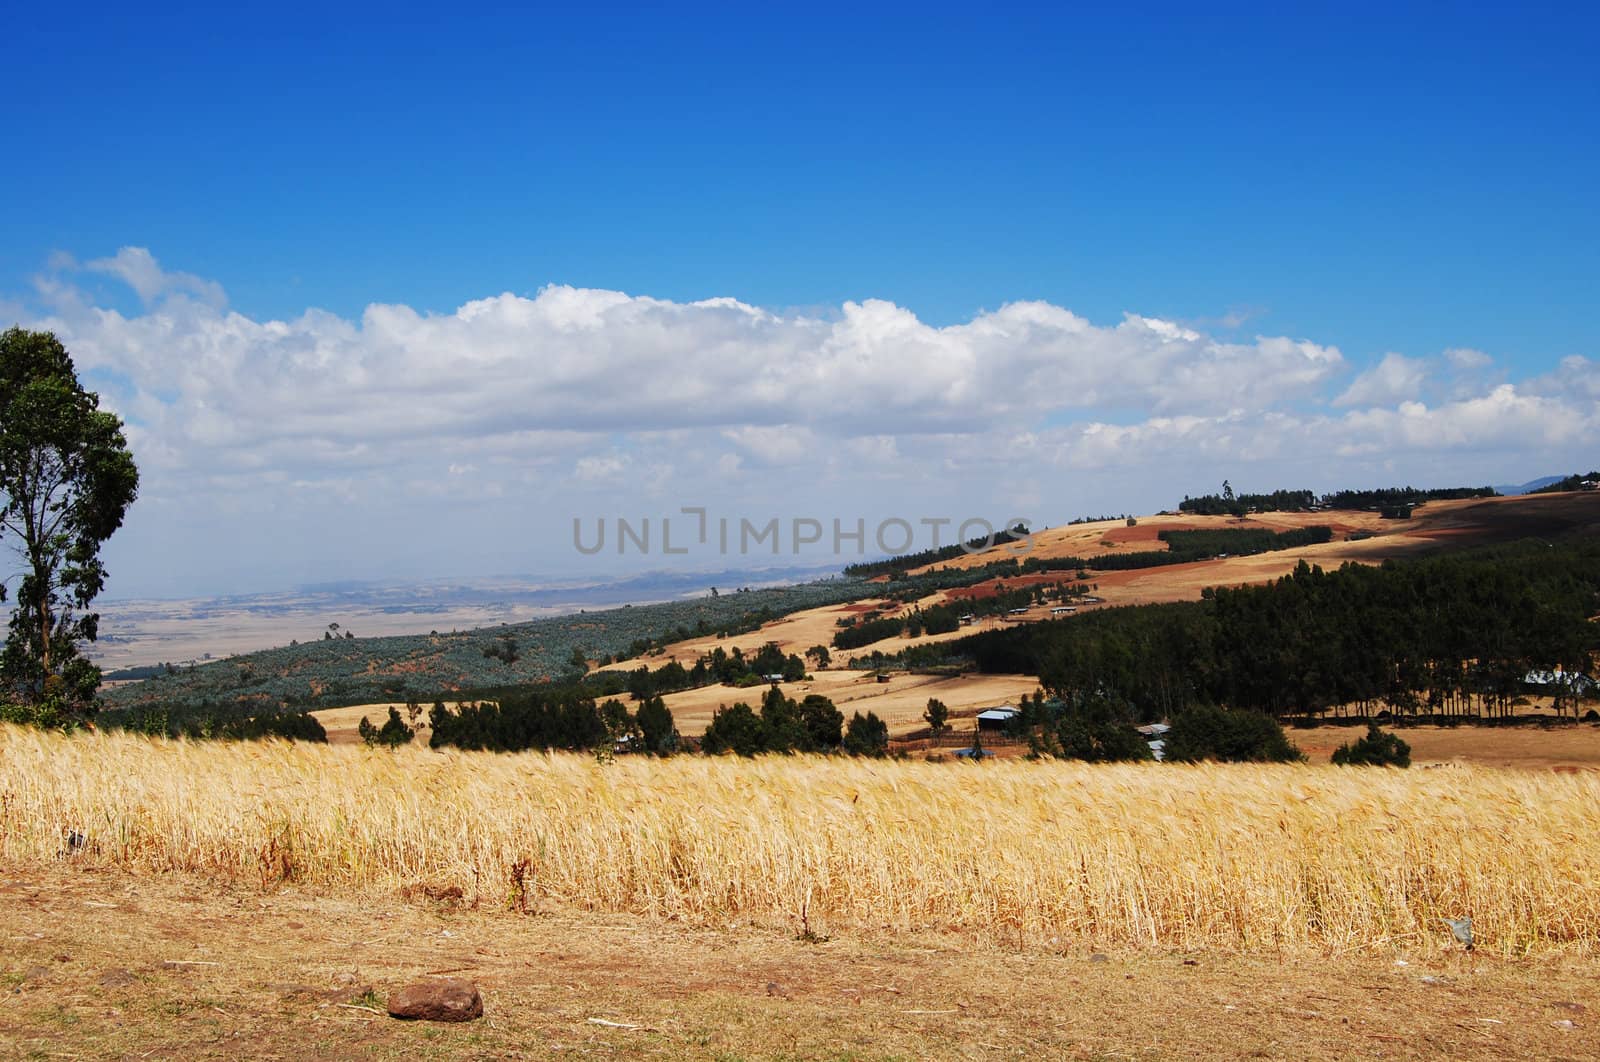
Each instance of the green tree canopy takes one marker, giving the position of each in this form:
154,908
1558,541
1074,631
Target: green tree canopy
67,478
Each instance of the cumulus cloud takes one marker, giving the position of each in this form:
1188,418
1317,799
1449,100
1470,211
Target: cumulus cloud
138,268
1394,379
580,361
624,396
1467,359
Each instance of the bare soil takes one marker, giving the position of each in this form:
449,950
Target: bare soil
104,965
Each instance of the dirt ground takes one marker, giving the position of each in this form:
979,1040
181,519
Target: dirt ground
1562,747
102,965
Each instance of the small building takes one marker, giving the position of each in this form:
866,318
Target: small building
1063,610
968,754
774,679
968,619
1569,681
997,717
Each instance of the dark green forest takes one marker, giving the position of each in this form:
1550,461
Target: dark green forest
1388,500
1452,636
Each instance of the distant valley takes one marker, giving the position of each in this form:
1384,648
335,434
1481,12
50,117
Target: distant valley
139,633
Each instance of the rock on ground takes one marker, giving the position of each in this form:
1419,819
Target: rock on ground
441,999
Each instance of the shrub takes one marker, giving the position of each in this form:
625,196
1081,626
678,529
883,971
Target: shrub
866,735
823,721
1099,731
735,728
655,724
1204,732
392,733
1377,749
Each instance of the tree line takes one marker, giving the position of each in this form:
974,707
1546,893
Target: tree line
1393,499
1455,635
906,561
1573,482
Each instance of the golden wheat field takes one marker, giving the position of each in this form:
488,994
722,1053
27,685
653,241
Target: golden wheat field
1243,858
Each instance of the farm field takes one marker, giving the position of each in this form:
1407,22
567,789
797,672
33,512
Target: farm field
377,670
1250,858
1436,525
107,964
1561,747
899,702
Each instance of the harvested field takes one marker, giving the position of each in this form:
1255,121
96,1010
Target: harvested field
1562,746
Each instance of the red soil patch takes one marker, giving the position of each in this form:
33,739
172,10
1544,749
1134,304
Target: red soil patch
1123,535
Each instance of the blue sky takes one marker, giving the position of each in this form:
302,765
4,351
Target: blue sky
1379,180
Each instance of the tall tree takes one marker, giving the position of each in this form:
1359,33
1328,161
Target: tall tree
66,480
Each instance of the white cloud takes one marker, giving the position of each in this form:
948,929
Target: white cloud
1394,379
1467,359
138,268
580,393
602,468
1575,378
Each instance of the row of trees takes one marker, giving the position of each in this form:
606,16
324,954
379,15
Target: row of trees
553,718
1572,482
1392,499
784,725
906,561
1450,635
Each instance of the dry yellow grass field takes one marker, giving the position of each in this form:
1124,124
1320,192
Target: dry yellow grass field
102,963
1259,859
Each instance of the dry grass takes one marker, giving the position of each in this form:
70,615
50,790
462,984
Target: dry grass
104,964
1245,858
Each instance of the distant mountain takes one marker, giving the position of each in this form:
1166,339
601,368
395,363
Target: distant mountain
1530,486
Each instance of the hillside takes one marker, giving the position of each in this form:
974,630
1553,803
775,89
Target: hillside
341,671
796,619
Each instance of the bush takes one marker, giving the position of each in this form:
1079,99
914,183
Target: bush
735,728
1204,732
1099,731
393,733
866,736
654,719
1377,749
48,713
824,722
